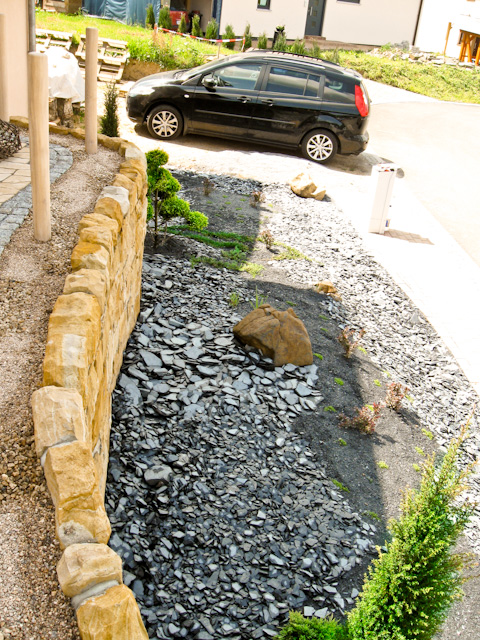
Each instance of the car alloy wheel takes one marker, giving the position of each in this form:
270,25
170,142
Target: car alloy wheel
165,123
320,146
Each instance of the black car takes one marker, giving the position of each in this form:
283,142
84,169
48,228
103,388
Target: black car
275,98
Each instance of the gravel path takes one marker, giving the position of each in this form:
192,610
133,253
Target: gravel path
32,275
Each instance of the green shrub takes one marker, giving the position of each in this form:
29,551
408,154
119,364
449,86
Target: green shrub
150,17
262,41
212,30
229,34
298,47
109,121
164,20
411,586
281,42
300,628
182,27
162,199
316,51
248,37
196,30
197,220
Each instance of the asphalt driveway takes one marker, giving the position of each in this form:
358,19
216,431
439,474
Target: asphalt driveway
436,144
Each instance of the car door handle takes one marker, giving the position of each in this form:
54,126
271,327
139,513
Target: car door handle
244,99
270,102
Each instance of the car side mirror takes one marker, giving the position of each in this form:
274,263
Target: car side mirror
209,81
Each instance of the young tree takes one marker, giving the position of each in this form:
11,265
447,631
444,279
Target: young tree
109,121
212,30
182,27
248,37
164,19
228,35
150,17
162,199
196,30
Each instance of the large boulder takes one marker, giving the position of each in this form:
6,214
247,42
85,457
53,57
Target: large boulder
305,186
279,335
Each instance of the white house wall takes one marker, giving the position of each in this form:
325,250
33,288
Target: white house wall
436,14
291,13
374,22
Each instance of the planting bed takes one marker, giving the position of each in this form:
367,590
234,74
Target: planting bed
221,487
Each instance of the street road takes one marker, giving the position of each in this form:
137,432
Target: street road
437,144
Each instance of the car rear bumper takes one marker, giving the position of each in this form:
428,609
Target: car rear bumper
353,144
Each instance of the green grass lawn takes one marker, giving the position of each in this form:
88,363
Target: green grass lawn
173,52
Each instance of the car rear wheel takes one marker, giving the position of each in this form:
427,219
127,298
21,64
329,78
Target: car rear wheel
320,146
165,122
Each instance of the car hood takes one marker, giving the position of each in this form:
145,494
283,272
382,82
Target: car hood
160,78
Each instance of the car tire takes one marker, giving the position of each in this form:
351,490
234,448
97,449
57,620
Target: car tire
320,146
165,122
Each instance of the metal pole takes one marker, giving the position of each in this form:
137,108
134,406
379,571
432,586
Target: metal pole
32,38
4,114
39,144
91,61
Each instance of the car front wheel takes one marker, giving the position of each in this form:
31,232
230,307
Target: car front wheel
320,146
165,122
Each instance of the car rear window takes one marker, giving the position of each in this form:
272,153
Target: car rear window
297,83
339,90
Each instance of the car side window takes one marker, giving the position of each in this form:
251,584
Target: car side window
238,76
339,90
287,81
313,86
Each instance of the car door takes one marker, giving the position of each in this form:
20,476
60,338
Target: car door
288,101
223,100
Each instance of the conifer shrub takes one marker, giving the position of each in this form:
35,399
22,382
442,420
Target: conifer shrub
196,30
109,121
182,27
247,35
164,19
150,17
298,47
281,42
162,199
300,628
211,32
262,41
411,586
229,34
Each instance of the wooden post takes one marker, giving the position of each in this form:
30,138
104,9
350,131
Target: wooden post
32,36
91,61
449,28
4,114
39,144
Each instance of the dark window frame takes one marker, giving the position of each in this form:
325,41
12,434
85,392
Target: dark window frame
350,1
264,7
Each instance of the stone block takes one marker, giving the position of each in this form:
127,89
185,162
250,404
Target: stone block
88,281
279,335
125,182
132,152
73,484
72,341
111,208
98,234
85,565
109,142
112,616
94,220
58,416
90,256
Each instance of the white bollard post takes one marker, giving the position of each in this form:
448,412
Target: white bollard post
39,144
91,61
4,114
383,177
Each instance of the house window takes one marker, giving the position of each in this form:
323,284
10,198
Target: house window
351,1
263,4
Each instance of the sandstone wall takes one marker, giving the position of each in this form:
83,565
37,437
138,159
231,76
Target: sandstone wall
87,334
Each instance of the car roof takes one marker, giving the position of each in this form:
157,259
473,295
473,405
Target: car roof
289,57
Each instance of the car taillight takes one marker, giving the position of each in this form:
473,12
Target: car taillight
361,101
